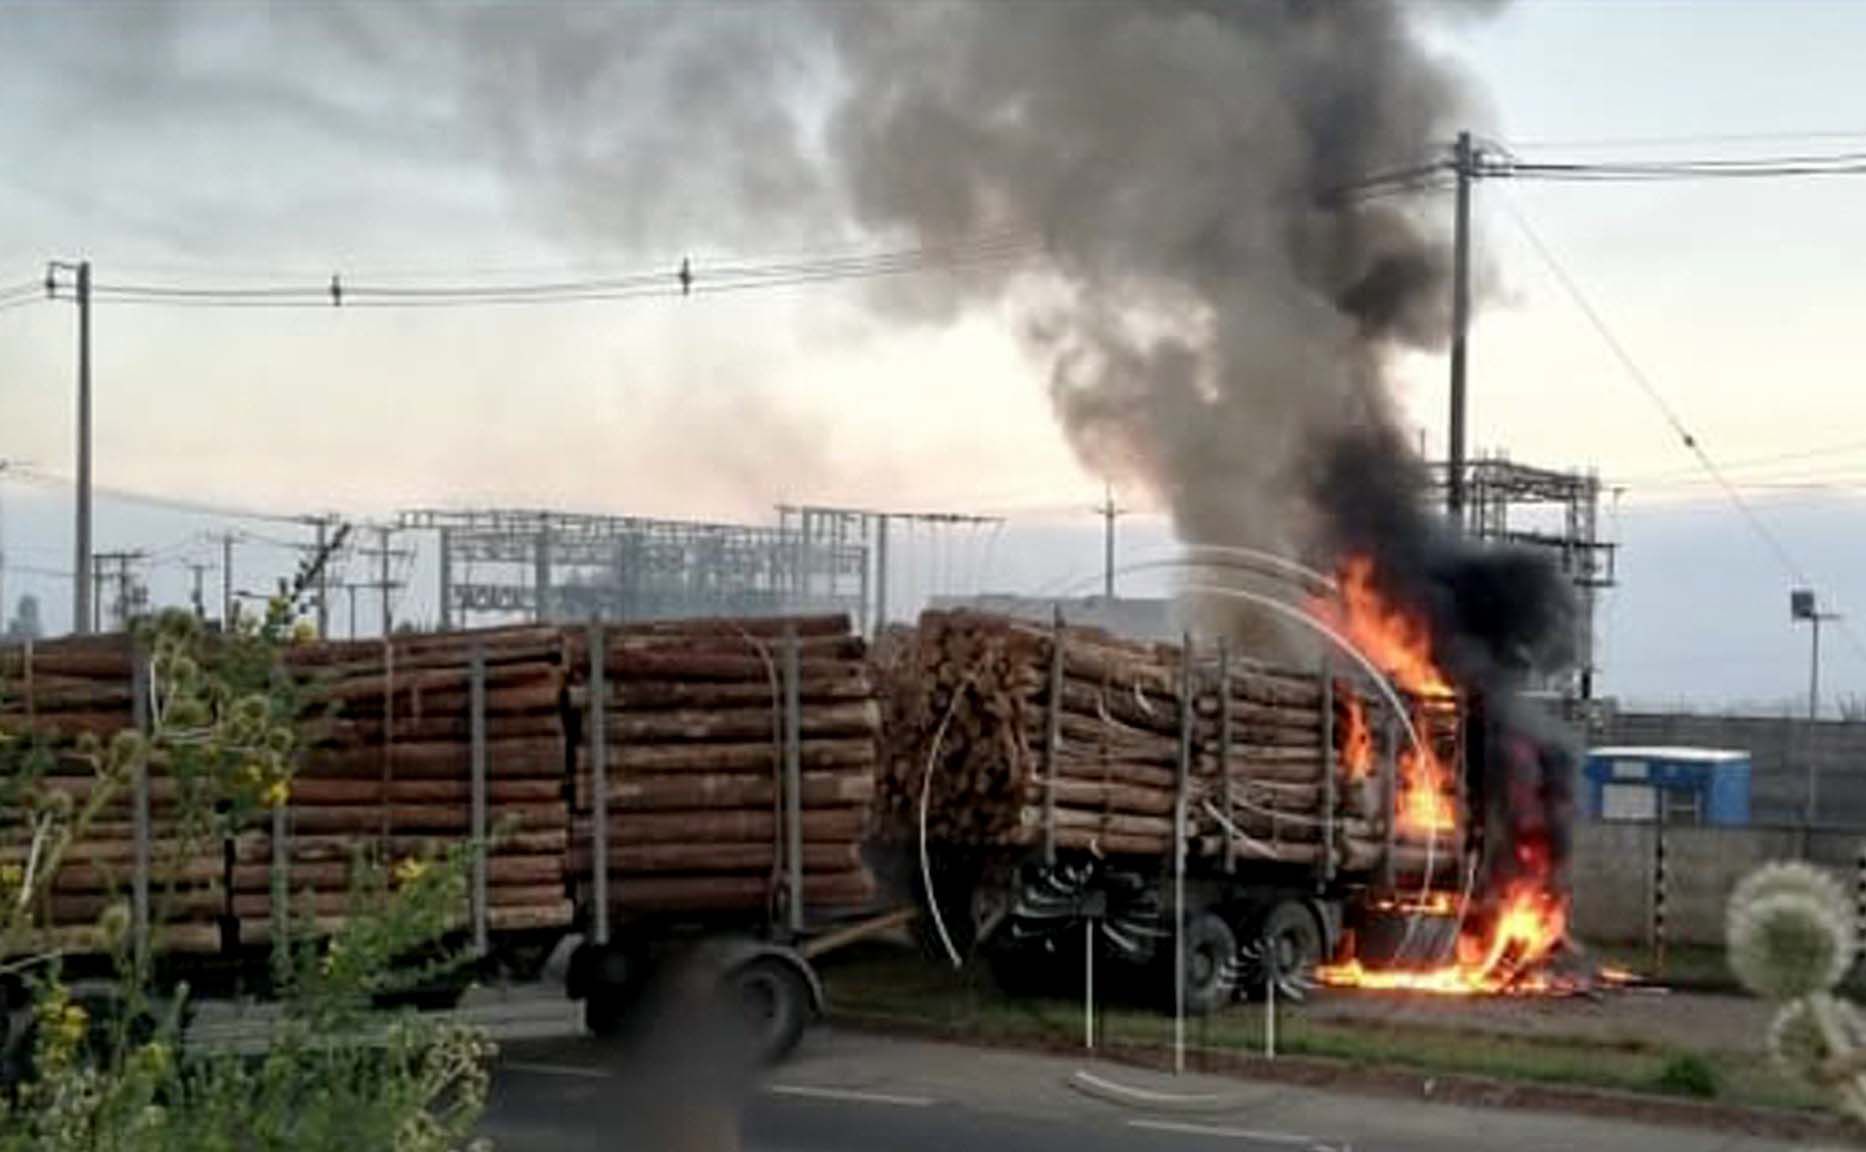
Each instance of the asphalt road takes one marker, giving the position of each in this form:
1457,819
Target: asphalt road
858,1093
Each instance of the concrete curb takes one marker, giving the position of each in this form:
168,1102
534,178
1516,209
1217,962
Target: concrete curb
1110,1091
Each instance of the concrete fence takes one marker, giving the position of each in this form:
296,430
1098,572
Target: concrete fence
1615,868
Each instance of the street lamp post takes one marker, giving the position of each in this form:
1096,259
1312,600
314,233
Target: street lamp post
1802,605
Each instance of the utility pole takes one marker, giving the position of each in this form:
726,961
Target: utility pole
387,620
4,466
127,599
1802,605
383,584
1465,163
226,582
351,588
1108,512
82,604
199,572
322,549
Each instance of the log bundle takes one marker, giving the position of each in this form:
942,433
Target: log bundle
55,694
975,700
691,715
387,764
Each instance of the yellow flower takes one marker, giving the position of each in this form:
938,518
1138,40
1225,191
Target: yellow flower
410,869
11,875
276,794
304,632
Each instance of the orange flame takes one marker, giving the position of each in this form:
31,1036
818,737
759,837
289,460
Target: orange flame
1397,643
1400,645
1357,740
1529,925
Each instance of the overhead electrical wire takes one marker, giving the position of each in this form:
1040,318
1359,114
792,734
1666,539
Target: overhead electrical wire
1672,417
686,279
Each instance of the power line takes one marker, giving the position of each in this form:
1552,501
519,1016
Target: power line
685,280
1671,414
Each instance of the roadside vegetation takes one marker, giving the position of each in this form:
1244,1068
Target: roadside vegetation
106,1064
882,985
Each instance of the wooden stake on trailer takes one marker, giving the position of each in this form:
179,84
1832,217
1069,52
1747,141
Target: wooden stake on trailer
1181,781
1052,736
793,781
1328,772
594,712
1389,790
476,697
1224,749
139,785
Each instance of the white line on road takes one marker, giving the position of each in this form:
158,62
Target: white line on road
814,1093
570,1070
1225,1133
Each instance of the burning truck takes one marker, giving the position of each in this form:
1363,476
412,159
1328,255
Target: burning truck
1388,815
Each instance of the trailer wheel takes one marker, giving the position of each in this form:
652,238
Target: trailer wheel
775,1002
1211,949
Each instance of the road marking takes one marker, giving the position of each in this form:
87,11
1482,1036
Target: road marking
1226,1133
813,1093
569,1070
1127,1092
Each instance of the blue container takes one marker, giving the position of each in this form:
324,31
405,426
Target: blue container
1708,786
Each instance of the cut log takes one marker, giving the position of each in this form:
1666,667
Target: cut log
703,893
652,695
820,789
855,719
545,755
717,825
311,791
704,856
764,756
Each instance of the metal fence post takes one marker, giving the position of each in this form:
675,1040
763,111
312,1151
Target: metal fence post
596,707
1659,880
477,727
139,786
793,777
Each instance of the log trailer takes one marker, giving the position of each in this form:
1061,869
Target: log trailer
658,788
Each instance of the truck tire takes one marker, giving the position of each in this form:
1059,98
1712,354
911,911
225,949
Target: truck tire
775,1002
1294,939
1211,950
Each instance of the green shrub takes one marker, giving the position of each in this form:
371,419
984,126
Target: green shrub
1688,1075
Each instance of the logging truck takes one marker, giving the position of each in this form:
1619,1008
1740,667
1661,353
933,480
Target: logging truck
1071,793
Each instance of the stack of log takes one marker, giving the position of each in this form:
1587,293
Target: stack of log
692,722
972,706
387,764
54,694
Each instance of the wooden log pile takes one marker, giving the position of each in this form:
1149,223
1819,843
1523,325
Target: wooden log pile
54,694
972,713
387,764
691,716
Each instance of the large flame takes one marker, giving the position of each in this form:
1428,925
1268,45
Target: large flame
1503,947
1397,642
1529,924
